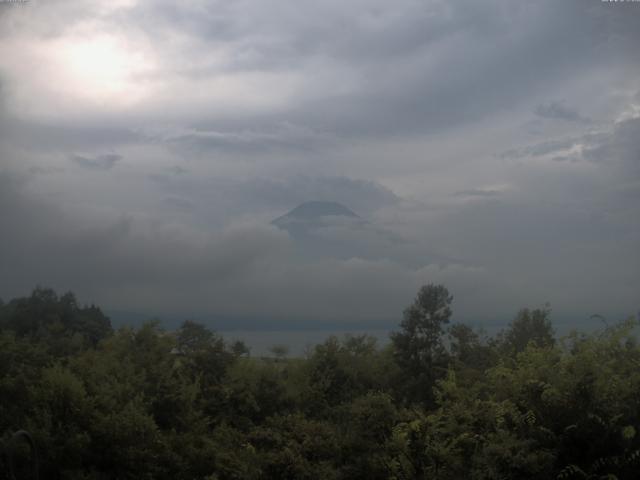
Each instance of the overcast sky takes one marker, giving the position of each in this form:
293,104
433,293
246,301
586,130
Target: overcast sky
493,146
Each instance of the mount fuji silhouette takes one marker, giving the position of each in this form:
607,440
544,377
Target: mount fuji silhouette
314,212
328,229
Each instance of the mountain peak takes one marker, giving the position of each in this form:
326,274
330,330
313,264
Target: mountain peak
314,210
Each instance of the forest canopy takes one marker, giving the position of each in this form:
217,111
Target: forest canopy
440,401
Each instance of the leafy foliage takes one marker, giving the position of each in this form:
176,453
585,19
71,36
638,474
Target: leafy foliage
436,403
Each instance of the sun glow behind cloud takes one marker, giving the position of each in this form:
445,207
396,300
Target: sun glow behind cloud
87,72
77,73
101,69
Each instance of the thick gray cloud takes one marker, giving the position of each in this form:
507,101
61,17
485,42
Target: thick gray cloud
620,148
560,111
477,192
615,146
492,146
100,162
543,148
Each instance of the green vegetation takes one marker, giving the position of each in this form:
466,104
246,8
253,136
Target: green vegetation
439,402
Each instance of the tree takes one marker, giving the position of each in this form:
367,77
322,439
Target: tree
239,349
529,326
194,337
367,429
418,346
279,351
470,355
67,326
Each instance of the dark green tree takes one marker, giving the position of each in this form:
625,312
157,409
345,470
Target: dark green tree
529,326
65,325
419,349
470,353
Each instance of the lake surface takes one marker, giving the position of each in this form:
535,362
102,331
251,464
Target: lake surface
301,341
298,341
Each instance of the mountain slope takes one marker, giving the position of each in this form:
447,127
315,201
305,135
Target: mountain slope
314,212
